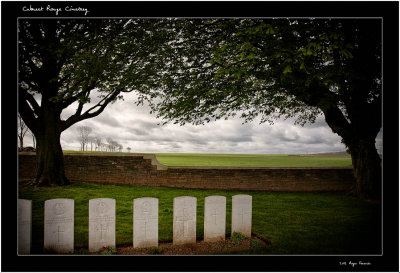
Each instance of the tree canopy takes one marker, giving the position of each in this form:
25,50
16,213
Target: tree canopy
66,61
272,68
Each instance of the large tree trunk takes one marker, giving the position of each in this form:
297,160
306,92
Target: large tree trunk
360,139
50,160
367,168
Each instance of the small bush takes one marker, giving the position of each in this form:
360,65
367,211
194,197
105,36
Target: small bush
108,250
237,237
155,250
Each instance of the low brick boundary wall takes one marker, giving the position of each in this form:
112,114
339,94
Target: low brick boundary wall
146,170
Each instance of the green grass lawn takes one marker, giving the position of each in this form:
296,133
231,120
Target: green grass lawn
294,223
248,160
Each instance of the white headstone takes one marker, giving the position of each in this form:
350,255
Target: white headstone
59,225
101,223
184,225
214,218
145,222
242,214
24,226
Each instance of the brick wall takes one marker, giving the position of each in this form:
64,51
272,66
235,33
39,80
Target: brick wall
146,170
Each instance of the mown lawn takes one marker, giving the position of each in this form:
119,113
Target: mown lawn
247,160
294,223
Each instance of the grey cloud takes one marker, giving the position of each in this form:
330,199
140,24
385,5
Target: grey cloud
289,137
314,140
281,134
107,120
143,125
138,132
141,128
176,146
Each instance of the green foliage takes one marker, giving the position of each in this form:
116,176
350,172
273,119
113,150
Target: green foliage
155,250
108,250
83,59
287,69
80,61
269,68
237,237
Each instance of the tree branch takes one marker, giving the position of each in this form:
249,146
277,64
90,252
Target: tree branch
29,98
101,105
26,111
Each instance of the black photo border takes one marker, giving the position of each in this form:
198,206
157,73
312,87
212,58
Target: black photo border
389,11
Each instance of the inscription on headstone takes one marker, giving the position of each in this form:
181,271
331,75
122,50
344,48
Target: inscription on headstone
184,224
242,214
214,218
24,226
101,223
59,225
145,222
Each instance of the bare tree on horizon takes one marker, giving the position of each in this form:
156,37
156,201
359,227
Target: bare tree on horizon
84,132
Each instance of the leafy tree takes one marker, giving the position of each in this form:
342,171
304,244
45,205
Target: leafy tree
65,62
276,68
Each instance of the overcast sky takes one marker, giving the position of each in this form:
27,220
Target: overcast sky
132,126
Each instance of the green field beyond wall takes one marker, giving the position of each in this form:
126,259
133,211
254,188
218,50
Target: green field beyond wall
248,160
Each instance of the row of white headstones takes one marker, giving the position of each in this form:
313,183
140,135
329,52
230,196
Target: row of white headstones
59,222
